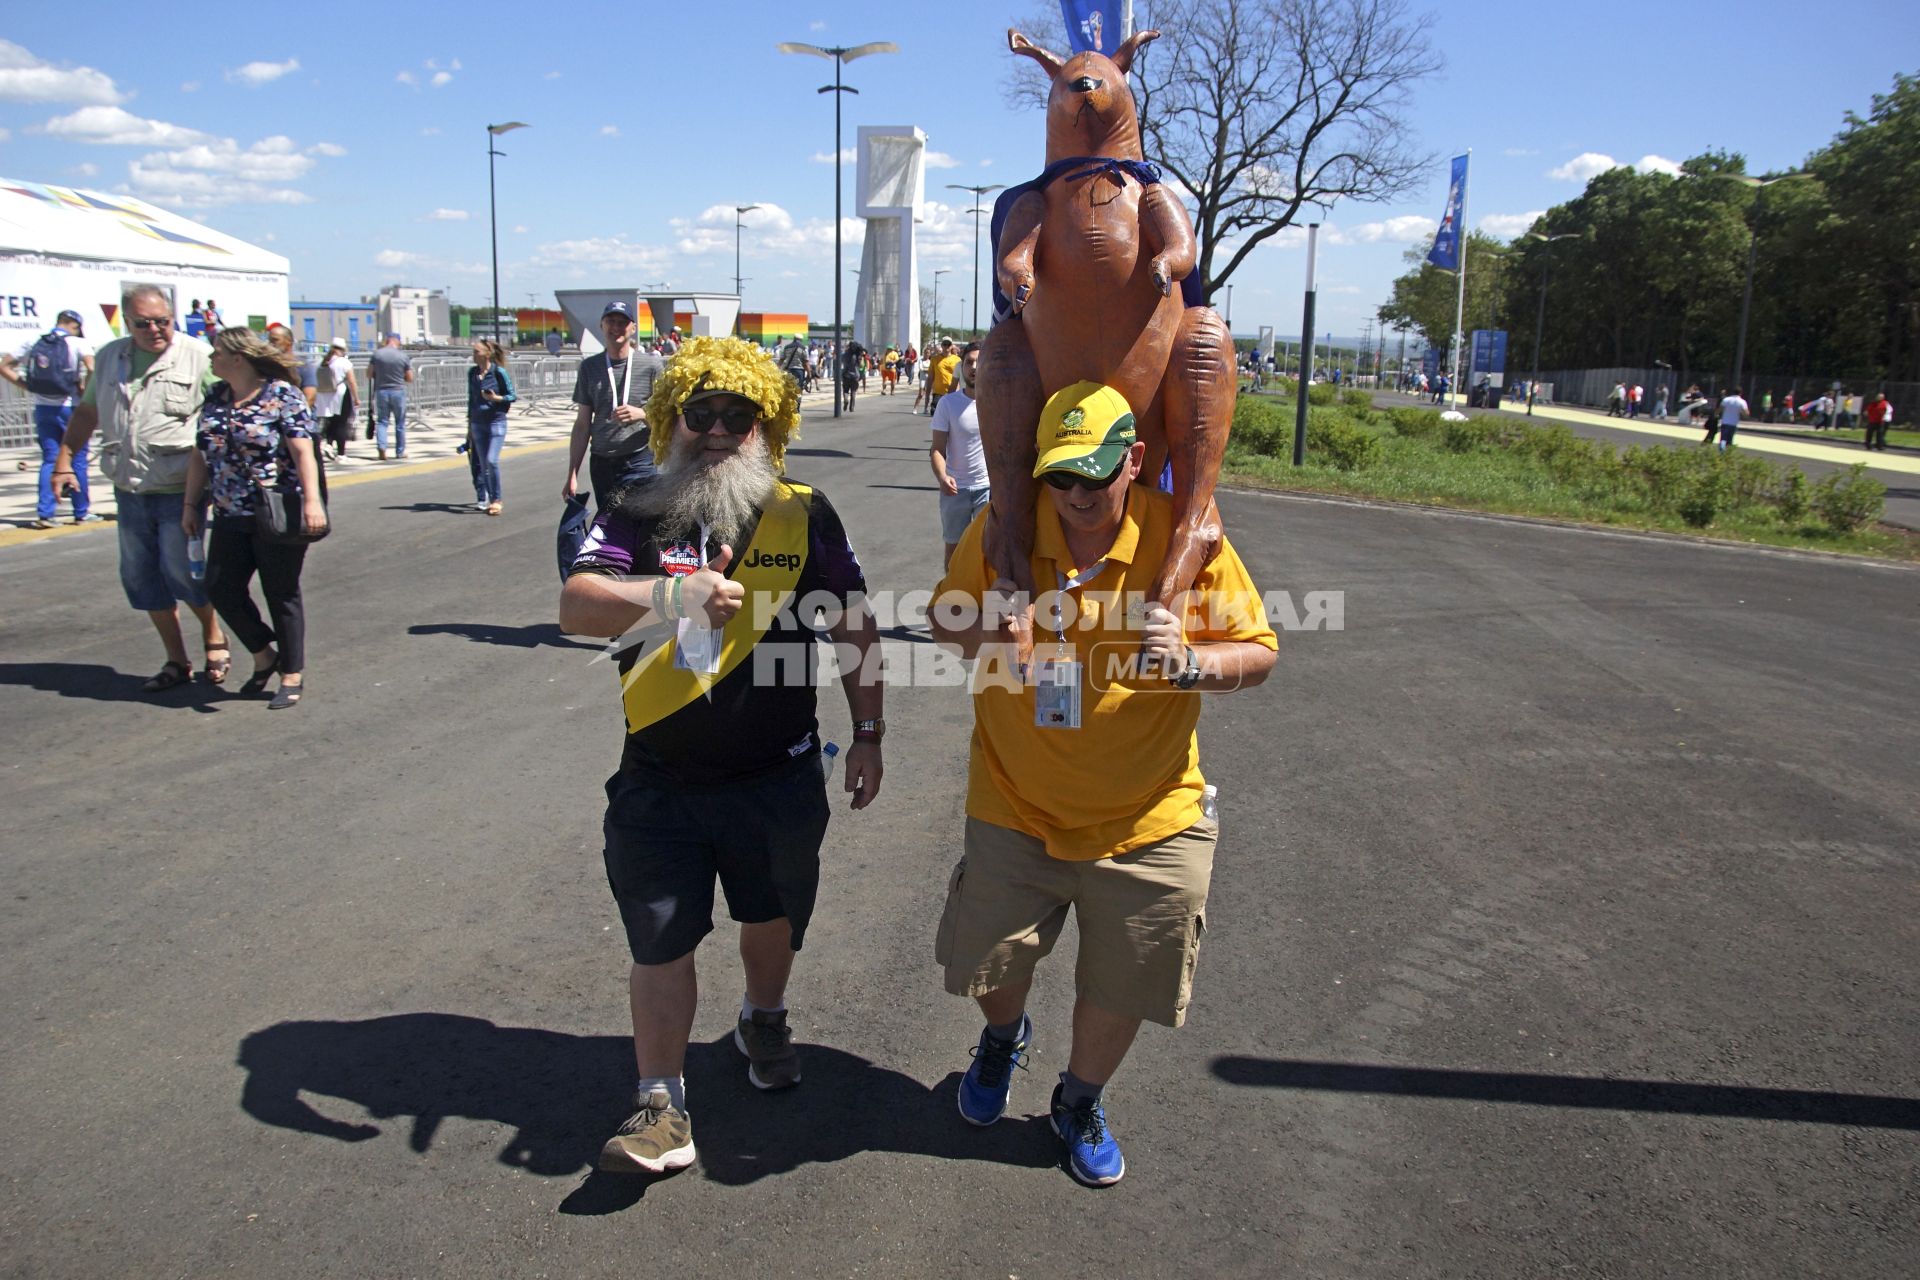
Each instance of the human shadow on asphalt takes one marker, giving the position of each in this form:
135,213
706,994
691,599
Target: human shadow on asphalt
1807,1106
818,453
438,508
562,1095
106,684
916,488
531,636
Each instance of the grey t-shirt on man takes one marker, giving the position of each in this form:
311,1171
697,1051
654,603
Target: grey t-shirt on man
389,367
595,387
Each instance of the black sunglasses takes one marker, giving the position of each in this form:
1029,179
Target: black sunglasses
738,419
164,322
1074,480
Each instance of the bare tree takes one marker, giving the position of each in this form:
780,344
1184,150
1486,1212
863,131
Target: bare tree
1261,109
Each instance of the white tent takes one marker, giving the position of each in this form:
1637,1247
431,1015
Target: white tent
62,249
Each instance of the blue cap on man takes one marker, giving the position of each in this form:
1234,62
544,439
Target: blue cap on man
618,309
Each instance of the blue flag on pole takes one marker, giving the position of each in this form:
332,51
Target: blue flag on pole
1093,24
1446,241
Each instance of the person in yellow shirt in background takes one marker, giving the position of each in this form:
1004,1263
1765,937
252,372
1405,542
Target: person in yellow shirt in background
945,368
1084,787
890,370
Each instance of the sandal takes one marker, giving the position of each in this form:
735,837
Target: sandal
287,696
170,676
257,682
217,669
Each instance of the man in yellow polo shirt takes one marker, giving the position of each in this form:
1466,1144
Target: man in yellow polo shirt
1084,787
945,368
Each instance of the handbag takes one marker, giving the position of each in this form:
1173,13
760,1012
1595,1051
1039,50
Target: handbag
276,511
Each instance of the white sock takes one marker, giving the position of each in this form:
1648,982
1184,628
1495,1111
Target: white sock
748,1008
676,1087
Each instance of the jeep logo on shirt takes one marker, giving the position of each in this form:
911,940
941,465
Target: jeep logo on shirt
771,560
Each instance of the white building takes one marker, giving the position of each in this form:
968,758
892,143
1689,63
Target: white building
66,249
419,316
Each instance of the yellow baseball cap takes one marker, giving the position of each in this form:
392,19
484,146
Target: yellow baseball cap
1085,429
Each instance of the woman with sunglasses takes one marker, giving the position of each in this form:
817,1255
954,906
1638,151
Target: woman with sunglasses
489,394
256,433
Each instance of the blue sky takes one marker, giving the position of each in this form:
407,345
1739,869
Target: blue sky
352,140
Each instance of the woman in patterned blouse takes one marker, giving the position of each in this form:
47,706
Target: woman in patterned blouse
255,432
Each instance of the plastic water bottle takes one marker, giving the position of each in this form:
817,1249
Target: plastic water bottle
829,759
197,556
1210,802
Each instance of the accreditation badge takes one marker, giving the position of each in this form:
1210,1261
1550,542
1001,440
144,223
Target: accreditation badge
1056,693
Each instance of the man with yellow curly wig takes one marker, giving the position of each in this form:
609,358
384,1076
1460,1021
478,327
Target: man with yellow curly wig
722,773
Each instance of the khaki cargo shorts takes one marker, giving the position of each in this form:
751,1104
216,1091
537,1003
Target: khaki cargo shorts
1141,916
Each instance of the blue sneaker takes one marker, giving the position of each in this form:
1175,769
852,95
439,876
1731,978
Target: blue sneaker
1093,1156
985,1088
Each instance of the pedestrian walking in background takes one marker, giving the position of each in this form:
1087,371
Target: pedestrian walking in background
336,399
489,396
1879,414
958,457
1732,409
144,399
1615,399
610,430
388,372
1660,402
54,369
282,339
256,438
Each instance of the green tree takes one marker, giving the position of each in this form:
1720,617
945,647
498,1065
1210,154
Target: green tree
1424,298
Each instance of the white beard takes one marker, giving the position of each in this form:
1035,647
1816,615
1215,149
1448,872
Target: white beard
725,496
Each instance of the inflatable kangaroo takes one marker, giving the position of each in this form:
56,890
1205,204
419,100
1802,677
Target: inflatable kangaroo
1088,258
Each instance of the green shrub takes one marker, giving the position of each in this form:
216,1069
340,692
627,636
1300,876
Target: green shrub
1357,399
1260,426
1790,494
1850,499
1706,493
1334,439
1415,424
1472,434
1322,393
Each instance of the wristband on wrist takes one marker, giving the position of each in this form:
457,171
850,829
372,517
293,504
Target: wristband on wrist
866,735
679,609
657,598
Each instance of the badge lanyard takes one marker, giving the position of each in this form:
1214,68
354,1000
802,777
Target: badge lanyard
626,384
1070,582
1056,694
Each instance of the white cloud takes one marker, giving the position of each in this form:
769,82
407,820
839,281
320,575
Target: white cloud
332,150
772,231
117,127
847,156
596,256
441,79
430,131
1408,228
1658,164
255,74
941,160
816,25
448,215
393,258
6,135
609,130
190,86
1586,165
82,170
551,75
219,171
986,164
1521,151
1509,225
27,78
406,77
519,231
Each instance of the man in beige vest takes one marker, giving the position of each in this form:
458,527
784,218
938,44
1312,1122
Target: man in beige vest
145,399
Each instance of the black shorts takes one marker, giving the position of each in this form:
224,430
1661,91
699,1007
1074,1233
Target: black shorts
666,843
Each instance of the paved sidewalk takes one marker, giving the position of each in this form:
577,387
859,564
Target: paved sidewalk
431,443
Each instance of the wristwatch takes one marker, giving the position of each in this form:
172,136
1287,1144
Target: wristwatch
869,730
1191,676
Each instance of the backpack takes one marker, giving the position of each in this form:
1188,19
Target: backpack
323,380
52,368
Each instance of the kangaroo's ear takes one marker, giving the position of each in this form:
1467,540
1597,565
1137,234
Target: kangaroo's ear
1124,55
1020,44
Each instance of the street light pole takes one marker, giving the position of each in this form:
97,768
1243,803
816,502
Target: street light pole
1540,316
739,212
839,55
979,194
936,296
493,217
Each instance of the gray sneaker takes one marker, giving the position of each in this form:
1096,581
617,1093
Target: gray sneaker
656,1138
767,1041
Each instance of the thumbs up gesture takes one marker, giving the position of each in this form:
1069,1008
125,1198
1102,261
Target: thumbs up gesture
708,596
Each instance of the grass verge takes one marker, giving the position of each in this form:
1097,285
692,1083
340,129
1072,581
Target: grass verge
1502,465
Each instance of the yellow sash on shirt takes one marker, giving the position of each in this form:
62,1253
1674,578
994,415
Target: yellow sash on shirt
769,570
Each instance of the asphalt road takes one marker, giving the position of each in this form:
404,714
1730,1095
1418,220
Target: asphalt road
1563,923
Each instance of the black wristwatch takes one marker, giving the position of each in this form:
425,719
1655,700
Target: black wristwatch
1191,676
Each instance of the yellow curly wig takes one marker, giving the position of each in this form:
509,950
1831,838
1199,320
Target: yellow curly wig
726,364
